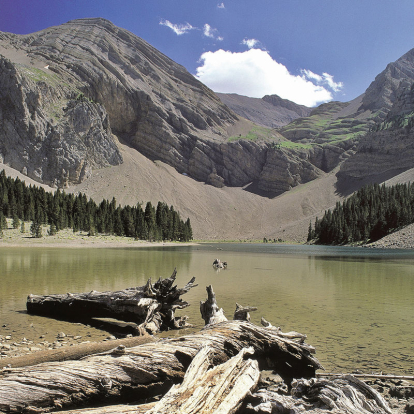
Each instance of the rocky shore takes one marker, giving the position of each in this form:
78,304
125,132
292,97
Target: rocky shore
401,239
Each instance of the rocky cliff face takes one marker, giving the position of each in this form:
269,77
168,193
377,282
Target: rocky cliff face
58,148
84,80
69,92
388,149
382,93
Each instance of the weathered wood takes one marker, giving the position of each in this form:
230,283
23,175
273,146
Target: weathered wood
290,335
242,312
344,395
209,309
112,409
221,389
133,374
72,352
151,306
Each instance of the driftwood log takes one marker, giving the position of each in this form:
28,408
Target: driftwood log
72,352
141,372
218,368
152,307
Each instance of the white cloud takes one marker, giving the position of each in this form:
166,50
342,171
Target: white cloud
255,73
178,29
208,31
250,43
325,79
221,6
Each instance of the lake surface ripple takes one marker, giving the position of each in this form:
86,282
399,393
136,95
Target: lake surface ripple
356,305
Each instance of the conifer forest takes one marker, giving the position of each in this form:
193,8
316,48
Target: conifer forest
59,210
368,215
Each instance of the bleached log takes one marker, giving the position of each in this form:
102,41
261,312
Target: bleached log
344,395
112,409
72,352
221,389
133,374
210,311
151,306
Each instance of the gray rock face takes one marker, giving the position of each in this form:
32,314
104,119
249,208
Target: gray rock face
68,91
389,150
57,151
382,93
100,79
127,86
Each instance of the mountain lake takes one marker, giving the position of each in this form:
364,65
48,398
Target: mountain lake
354,304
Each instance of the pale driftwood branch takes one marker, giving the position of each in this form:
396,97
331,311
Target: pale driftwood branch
132,374
209,309
221,389
151,306
72,352
112,409
345,395
242,312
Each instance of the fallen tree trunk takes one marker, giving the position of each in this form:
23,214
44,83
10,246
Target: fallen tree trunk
72,352
141,372
343,395
151,306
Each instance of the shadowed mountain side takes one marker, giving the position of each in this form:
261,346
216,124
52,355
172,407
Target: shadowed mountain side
270,111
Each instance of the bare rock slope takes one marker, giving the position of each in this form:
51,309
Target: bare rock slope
72,91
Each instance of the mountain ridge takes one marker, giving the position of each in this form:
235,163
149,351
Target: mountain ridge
269,111
90,107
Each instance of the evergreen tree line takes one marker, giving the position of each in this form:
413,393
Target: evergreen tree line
60,210
369,214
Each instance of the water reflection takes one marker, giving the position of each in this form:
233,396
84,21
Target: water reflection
355,305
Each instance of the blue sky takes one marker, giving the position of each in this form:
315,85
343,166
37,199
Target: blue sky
309,51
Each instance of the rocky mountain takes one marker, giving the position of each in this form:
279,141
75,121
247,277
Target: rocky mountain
72,92
270,111
109,82
388,148
88,106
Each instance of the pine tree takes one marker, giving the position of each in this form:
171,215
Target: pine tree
52,229
16,221
36,227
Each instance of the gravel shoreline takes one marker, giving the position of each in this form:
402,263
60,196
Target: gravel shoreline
401,239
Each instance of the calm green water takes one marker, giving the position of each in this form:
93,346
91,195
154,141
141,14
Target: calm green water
355,305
